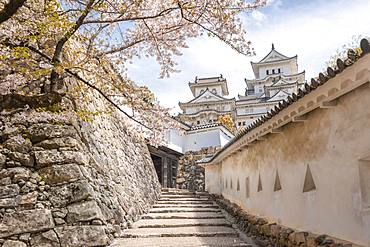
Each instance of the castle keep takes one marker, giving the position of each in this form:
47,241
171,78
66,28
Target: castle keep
276,77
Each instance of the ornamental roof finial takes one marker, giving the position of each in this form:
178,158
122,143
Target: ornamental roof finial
273,47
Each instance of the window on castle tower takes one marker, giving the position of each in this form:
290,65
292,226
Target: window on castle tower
198,122
267,72
279,71
273,71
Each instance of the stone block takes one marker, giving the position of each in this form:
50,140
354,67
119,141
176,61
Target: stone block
60,196
298,237
25,200
28,199
8,203
84,211
275,230
25,237
81,236
9,191
24,159
59,221
63,142
42,131
14,243
2,160
60,212
19,173
57,174
45,239
5,181
18,144
26,221
311,240
265,230
55,157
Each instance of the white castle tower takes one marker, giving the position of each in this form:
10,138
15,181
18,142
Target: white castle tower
276,77
209,102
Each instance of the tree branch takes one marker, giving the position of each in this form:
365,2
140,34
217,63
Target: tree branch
83,81
155,40
209,30
121,48
10,9
163,12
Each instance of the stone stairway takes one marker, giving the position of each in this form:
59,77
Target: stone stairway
182,218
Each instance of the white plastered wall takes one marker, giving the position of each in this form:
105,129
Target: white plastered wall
331,142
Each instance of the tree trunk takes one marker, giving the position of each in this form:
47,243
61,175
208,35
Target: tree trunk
55,79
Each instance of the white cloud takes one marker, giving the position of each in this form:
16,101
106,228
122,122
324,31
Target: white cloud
258,16
314,31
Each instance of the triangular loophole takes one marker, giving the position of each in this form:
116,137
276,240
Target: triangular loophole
259,188
237,185
277,184
247,187
309,183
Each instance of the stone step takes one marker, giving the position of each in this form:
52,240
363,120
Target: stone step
183,196
191,231
183,202
174,190
178,209
183,193
184,199
163,205
182,215
160,223
180,241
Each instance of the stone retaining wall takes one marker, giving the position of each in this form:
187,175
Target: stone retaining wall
265,233
65,182
189,174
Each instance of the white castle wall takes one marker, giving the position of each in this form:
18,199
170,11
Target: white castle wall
334,143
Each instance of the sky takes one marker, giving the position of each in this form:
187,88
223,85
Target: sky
314,30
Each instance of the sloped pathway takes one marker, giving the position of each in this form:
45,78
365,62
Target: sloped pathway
184,219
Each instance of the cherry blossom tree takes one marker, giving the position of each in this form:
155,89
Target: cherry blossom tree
227,121
44,41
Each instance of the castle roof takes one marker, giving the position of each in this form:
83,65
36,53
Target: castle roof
209,81
206,94
251,81
272,57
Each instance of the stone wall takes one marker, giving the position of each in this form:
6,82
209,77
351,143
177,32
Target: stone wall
189,174
66,182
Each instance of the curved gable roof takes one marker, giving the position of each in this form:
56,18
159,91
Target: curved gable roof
272,56
203,95
280,95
